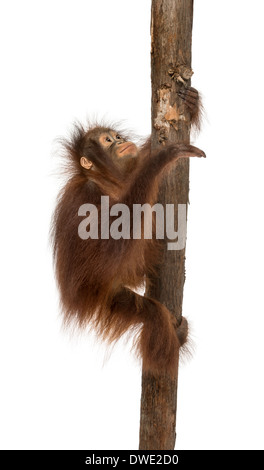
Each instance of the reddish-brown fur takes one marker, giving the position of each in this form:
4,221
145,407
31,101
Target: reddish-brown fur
97,277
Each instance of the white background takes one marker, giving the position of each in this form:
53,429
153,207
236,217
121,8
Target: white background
66,60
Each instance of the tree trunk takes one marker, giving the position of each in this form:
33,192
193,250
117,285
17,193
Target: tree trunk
171,38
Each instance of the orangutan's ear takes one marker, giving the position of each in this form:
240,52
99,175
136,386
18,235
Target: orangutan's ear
87,164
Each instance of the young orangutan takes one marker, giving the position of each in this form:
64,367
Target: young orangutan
97,276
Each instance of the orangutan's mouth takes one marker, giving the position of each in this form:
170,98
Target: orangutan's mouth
125,148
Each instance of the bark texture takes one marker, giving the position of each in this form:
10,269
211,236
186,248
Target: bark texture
171,38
